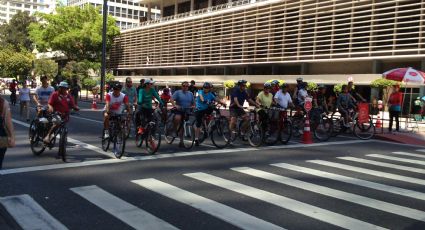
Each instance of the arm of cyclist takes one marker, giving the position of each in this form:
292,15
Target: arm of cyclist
156,95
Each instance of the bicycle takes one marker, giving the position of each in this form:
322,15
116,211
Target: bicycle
117,135
321,125
278,130
362,130
150,135
185,126
39,129
215,126
253,131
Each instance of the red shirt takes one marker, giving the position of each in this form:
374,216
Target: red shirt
61,103
395,98
165,97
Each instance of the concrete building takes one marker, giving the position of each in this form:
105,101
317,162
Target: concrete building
325,41
128,13
8,8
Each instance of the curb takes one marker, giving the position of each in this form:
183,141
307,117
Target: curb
410,140
6,221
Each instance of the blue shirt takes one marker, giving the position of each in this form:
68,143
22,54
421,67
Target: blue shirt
131,93
183,99
207,98
241,95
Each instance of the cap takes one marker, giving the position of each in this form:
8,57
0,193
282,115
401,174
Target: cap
63,84
149,81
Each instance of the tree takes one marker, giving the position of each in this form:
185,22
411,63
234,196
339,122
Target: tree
15,64
384,85
75,31
74,70
45,67
15,33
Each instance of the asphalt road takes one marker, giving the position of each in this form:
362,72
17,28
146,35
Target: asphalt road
376,185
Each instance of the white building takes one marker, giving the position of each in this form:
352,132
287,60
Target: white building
128,14
8,8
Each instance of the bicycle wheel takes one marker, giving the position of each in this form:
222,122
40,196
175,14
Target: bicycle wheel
63,141
169,134
297,126
255,134
119,144
188,135
106,141
322,129
32,129
153,141
286,132
127,127
36,142
220,133
202,132
271,133
364,130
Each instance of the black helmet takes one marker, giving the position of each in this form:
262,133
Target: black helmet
240,82
117,86
284,86
207,85
267,85
321,86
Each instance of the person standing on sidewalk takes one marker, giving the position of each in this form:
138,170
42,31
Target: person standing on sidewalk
75,89
7,132
130,91
394,104
24,98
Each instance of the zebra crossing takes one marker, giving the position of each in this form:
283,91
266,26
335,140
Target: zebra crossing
398,176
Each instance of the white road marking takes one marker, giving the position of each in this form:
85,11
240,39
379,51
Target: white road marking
221,211
382,164
334,193
421,150
74,141
410,154
29,214
354,181
162,156
418,162
286,203
124,211
369,172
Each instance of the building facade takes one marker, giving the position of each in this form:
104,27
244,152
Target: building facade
325,41
8,8
128,13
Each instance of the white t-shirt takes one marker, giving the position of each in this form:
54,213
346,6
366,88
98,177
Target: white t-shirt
24,94
302,94
43,94
283,99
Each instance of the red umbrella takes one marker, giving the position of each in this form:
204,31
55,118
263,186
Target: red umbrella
408,75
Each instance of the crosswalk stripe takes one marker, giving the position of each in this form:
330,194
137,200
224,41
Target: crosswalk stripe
383,164
354,181
410,154
221,211
357,199
369,172
421,150
126,212
29,214
397,159
286,203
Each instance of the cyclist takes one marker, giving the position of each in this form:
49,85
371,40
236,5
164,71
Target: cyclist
204,98
345,103
355,95
184,102
131,92
298,87
62,102
237,98
43,92
145,111
274,87
265,100
13,87
319,99
115,101
283,98
24,99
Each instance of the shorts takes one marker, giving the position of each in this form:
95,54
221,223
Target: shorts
236,112
199,114
182,111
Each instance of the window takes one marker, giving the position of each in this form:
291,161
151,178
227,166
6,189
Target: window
124,2
130,12
27,6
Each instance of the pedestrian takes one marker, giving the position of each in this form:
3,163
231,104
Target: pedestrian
13,87
7,133
75,89
24,99
394,104
192,87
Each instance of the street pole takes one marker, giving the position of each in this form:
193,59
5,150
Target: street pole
103,67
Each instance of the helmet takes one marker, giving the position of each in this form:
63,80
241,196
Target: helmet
299,79
303,85
275,82
207,85
149,81
240,82
284,86
321,86
117,86
63,84
267,85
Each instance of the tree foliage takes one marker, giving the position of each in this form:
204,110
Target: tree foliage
75,31
15,64
382,83
15,33
311,86
45,67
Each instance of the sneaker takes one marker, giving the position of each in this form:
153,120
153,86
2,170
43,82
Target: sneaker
140,131
106,135
196,142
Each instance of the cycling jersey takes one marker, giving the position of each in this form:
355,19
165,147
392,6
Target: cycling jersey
43,94
116,104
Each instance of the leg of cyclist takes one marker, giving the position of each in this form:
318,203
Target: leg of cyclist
233,120
344,114
198,116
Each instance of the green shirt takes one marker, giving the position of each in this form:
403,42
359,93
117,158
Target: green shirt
265,100
145,98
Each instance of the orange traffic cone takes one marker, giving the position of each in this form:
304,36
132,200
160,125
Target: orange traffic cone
94,104
378,122
307,139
